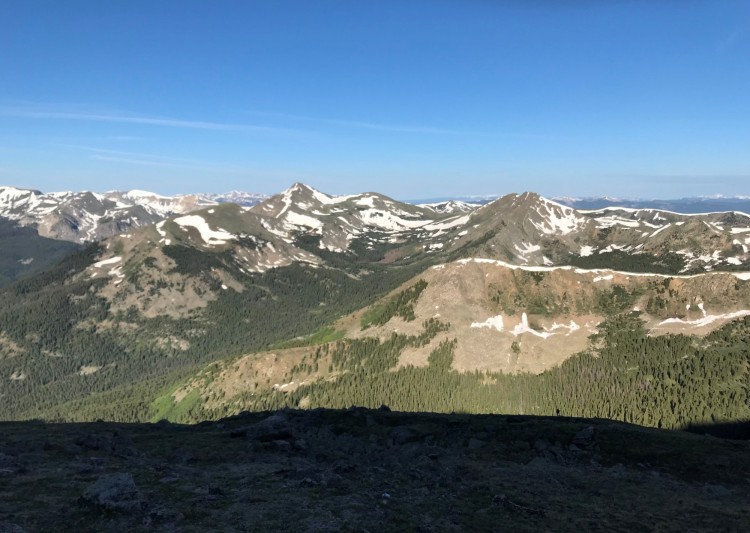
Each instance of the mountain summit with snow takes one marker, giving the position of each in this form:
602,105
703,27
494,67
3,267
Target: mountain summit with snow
519,284
90,216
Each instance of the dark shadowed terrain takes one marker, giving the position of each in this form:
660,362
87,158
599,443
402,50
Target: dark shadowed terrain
370,470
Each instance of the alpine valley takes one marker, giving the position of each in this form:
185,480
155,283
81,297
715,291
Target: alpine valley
136,307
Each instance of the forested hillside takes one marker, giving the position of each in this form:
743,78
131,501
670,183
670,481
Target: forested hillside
61,341
25,252
119,329
670,381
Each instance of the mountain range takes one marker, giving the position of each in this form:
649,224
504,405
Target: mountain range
192,307
689,205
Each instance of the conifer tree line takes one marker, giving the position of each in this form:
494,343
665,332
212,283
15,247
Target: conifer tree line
51,327
669,381
54,324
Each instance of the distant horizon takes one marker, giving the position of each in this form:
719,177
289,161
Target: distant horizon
437,198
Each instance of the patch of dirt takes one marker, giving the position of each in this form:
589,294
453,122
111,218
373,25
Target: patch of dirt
278,369
87,370
8,347
485,304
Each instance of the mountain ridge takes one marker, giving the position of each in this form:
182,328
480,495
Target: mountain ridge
86,216
226,281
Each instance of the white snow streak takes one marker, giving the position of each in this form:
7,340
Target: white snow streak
209,236
494,322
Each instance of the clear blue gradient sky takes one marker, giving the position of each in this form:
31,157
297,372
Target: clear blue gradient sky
412,98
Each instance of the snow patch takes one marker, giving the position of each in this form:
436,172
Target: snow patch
706,320
523,327
654,234
558,219
298,219
494,322
366,201
481,260
209,236
527,248
105,262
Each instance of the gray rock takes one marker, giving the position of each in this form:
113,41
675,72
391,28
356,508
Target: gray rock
215,490
113,492
96,442
118,443
540,462
519,446
584,438
400,435
333,480
618,470
283,446
122,444
7,527
275,427
716,491
475,444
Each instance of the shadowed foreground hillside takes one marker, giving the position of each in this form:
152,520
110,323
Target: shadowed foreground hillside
369,470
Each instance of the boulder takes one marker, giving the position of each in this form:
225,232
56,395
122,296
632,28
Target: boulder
274,428
400,435
584,438
113,492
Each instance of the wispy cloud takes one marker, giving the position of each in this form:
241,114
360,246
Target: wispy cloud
394,127
132,118
359,124
125,138
153,160
143,162
401,128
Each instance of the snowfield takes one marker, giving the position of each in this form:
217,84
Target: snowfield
106,262
494,322
210,236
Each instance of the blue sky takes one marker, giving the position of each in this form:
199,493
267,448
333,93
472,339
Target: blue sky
412,98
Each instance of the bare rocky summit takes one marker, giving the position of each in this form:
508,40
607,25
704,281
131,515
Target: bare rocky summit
369,470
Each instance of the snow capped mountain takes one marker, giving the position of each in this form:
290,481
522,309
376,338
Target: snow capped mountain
87,216
451,206
703,204
339,220
161,205
223,271
245,199
73,216
303,224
